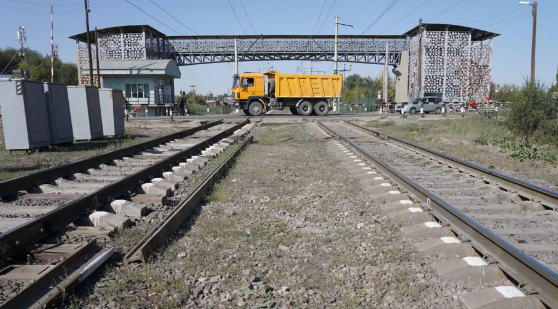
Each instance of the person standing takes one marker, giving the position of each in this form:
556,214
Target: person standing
181,104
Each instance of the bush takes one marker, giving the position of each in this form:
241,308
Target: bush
533,109
520,150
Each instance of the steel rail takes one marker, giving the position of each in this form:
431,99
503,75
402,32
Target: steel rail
511,260
157,238
32,231
526,190
24,182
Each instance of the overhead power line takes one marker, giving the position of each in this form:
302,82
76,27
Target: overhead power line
4,70
391,5
492,17
418,7
162,23
503,21
35,30
514,23
33,11
325,19
173,17
248,17
451,7
55,5
237,17
319,16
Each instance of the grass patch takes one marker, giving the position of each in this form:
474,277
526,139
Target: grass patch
521,151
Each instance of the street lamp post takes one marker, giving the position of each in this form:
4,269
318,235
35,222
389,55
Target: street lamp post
534,43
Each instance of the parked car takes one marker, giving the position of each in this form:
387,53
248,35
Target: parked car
429,104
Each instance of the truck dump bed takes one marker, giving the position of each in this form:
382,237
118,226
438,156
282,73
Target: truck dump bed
307,86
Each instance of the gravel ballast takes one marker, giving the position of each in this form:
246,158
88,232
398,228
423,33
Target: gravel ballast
288,227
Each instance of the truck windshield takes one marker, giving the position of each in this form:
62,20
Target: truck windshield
236,79
416,100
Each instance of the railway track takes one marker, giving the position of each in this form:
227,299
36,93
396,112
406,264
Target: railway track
50,220
504,230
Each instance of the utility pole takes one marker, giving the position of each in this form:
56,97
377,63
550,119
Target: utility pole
534,44
87,10
385,79
51,47
236,56
336,55
97,58
344,70
22,38
336,43
419,82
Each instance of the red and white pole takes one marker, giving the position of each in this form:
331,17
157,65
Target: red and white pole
51,48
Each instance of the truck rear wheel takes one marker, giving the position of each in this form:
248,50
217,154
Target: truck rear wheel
321,108
293,110
255,108
305,108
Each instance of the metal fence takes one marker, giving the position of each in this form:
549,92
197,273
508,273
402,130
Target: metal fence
358,105
209,109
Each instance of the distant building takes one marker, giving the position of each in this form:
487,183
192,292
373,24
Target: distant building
147,83
145,75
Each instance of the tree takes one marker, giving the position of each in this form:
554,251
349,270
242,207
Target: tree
196,99
532,109
9,60
356,86
38,66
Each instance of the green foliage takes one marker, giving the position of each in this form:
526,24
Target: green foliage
356,86
5,56
38,66
196,99
520,150
533,108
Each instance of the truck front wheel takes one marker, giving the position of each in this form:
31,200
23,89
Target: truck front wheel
255,108
246,112
321,108
305,108
294,111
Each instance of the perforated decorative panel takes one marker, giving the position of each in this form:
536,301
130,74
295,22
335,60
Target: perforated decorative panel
452,65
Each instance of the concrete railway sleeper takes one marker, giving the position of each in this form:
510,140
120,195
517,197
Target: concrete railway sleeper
49,259
505,243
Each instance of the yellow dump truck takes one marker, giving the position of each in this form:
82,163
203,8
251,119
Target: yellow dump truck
302,94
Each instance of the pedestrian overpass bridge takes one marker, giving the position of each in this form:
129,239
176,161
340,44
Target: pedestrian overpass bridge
453,57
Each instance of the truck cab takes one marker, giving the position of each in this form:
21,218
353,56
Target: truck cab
247,86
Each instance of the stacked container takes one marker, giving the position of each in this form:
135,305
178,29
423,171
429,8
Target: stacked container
58,110
112,111
85,109
24,114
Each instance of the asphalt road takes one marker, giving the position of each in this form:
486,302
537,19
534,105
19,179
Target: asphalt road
281,117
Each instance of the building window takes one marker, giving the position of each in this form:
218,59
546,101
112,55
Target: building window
137,90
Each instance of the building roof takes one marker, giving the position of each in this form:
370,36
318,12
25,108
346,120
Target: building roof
82,37
476,34
145,67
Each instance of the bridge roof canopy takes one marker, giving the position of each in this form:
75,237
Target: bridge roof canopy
476,34
82,37
289,36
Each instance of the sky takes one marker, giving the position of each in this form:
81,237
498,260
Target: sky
511,59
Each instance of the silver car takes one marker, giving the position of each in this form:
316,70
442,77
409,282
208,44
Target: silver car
429,104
